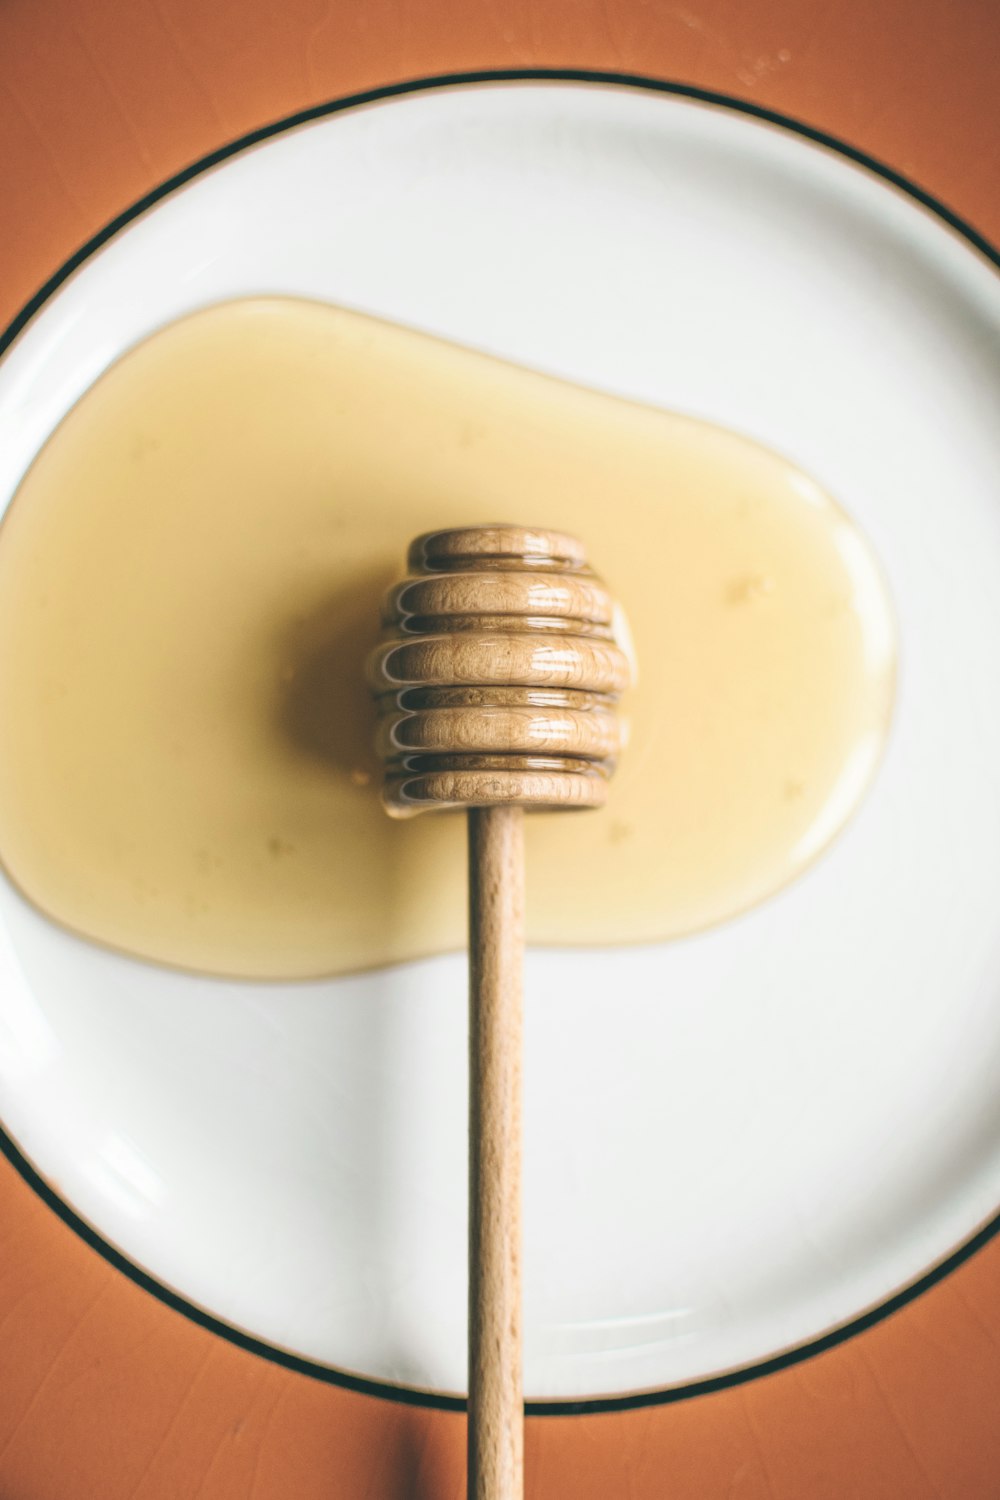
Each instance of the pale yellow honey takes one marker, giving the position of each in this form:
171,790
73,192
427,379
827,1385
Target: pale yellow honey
189,582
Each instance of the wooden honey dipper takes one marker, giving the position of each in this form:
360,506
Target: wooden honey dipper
497,678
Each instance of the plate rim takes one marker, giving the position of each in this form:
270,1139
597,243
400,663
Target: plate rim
9,1148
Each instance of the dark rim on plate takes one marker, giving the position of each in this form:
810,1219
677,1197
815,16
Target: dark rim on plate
409,1395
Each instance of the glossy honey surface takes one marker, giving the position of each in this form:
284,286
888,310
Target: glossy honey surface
190,579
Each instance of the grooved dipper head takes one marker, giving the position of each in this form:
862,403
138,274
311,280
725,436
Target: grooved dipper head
498,674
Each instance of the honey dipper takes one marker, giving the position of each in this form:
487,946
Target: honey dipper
496,678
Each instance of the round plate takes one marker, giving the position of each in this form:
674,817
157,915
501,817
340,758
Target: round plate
738,1142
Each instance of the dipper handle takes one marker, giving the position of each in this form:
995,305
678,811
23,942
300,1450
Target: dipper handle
496,953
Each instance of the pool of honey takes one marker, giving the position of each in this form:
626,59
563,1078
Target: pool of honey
190,578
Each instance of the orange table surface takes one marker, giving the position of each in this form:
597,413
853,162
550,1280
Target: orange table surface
106,1393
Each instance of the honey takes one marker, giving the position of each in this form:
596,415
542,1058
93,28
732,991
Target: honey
190,577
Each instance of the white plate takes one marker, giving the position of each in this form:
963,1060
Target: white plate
736,1142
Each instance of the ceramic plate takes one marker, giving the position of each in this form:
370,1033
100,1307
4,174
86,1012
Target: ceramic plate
736,1143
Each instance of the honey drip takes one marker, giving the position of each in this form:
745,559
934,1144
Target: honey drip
190,577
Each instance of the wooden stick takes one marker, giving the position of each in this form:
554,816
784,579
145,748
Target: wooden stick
496,677
496,962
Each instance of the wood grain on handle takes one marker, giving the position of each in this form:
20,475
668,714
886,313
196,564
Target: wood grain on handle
496,960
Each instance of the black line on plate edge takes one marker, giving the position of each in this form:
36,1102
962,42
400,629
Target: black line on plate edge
501,75
404,1394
